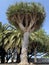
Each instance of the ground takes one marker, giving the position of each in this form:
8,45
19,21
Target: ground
31,64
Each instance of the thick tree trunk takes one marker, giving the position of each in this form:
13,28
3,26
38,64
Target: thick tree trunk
35,59
25,42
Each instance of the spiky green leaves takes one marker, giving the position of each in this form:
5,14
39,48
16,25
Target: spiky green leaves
11,39
23,9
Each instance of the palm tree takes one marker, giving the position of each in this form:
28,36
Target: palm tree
27,17
2,51
2,28
38,41
11,39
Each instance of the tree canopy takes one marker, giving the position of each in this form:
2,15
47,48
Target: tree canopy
21,11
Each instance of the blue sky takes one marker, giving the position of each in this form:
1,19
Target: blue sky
4,4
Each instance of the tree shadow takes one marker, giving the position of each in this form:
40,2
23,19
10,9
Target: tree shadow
2,54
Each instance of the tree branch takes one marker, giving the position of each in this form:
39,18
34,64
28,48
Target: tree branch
20,19
32,22
26,20
32,29
19,22
21,27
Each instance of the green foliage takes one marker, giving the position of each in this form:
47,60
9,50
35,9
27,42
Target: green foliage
12,38
26,8
39,39
2,27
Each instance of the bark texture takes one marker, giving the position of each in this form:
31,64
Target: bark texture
25,42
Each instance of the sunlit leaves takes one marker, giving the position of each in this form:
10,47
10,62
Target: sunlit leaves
26,8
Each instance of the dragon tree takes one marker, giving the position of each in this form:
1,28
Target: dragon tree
27,17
